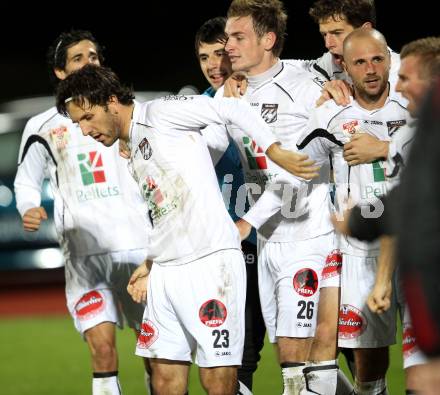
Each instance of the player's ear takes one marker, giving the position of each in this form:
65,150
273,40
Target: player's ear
269,40
367,25
344,65
60,73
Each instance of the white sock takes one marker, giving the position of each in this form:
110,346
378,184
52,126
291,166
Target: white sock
243,390
293,378
106,384
376,387
343,385
147,382
321,377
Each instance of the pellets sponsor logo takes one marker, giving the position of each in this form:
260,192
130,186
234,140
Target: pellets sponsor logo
91,167
305,282
147,335
90,305
378,171
333,265
352,322
254,154
213,313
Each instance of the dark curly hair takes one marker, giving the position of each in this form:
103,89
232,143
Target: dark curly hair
94,84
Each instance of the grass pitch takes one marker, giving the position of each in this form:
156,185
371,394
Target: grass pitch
46,356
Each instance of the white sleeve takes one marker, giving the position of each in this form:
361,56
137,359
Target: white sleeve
274,197
31,170
217,139
197,112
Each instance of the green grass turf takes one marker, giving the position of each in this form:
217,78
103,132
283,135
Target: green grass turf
46,356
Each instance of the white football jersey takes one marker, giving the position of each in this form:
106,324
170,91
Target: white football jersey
283,97
97,206
325,68
172,166
398,153
330,127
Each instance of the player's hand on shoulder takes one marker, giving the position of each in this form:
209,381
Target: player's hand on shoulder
235,85
32,218
338,90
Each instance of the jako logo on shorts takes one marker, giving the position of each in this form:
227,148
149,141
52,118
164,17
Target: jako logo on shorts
90,305
91,167
352,322
254,154
333,265
147,335
305,282
213,313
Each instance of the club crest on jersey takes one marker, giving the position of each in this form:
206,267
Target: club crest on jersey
269,112
393,126
352,322
145,148
213,313
147,335
350,127
305,282
60,137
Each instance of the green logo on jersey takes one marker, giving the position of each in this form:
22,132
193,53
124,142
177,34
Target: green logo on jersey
254,154
378,172
91,167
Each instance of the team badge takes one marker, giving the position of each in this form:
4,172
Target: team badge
269,112
213,313
393,126
145,148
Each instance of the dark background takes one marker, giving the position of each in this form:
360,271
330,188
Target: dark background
151,45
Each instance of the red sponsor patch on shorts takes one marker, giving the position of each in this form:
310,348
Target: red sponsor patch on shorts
333,265
90,305
352,322
305,282
213,313
409,344
147,335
